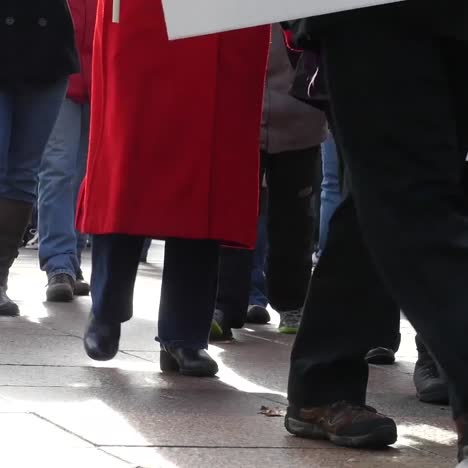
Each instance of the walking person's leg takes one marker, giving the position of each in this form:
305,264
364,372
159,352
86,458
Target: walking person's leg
188,297
82,287
405,173
339,326
115,260
410,199
290,232
22,141
258,301
387,342
331,195
232,298
57,197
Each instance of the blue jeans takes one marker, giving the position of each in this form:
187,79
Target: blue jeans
61,173
331,196
258,292
27,115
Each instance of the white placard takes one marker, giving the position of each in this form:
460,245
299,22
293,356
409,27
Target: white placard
188,18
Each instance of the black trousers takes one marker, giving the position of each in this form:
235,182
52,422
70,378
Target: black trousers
293,183
188,289
400,106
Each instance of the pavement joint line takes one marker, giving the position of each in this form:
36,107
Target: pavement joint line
117,457
68,431
266,339
135,356
71,366
273,400
218,447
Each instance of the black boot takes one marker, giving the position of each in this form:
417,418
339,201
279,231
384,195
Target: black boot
101,340
190,362
14,218
431,386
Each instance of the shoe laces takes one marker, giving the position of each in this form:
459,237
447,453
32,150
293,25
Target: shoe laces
354,407
62,278
430,370
291,317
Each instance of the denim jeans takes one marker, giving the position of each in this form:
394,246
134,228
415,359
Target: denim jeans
258,288
331,196
61,173
27,115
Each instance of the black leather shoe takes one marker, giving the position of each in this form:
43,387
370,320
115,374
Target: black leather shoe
257,314
430,384
381,356
7,307
61,288
101,340
191,362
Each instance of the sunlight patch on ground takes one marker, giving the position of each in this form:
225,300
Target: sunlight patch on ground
417,435
233,379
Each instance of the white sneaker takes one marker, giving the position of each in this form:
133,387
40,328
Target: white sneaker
33,244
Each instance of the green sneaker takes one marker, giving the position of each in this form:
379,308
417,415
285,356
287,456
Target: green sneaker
290,321
216,332
220,332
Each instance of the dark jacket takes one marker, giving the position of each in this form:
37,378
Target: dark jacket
84,17
287,123
442,17
36,40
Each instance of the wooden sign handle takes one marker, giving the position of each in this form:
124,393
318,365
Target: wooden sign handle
116,11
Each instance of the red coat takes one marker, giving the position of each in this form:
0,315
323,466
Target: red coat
84,19
174,144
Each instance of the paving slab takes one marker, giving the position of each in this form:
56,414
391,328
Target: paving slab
58,408
186,457
128,415
60,457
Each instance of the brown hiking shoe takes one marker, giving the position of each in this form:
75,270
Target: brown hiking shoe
343,424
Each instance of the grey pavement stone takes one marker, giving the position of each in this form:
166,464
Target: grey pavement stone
52,395
126,415
60,457
186,457
17,428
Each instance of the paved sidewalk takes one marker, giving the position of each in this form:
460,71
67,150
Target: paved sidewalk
60,409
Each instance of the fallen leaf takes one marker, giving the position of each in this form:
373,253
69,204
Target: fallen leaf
272,412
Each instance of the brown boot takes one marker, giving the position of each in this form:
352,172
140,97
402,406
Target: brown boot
14,218
343,424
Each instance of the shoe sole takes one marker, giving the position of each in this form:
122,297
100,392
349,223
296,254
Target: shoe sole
380,437
381,360
99,357
81,292
9,310
438,397
188,373
169,365
60,294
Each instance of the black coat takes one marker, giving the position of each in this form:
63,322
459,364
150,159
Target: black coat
36,40
447,18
